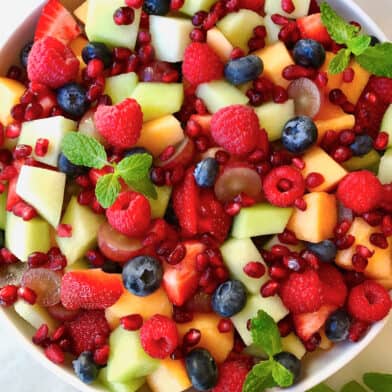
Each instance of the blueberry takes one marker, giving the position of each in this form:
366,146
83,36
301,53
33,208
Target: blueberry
201,369
85,367
205,172
136,150
142,275
24,53
156,7
324,250
374,40
337,326
290,362
309,53
229,298
298,134
362,145
67,167
72,99
244,69
97,50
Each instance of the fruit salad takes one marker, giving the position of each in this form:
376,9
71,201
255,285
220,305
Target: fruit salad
196,193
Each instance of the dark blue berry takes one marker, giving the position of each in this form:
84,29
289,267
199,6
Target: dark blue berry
290,362
24,53
72,99
374,40
67,167
97,50
156,7
299,134
85,368
201,368
337,326
142,275
362,145
243,69
205,172
229,298
136,150
309,53
111,267
324,250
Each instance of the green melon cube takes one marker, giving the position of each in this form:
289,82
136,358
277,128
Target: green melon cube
159,205
275,7
78,265
3,211
273,30
369,161
292,344
121,86
129,386
386,124
275,241
385,169
190,7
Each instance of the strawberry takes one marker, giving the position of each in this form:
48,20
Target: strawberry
56,21
311,27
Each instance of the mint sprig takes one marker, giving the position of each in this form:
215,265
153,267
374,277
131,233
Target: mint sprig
86,151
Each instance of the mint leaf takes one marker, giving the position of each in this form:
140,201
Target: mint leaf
145,186
353,386
134,167
359,44
107,189
340,62
378,382
377,59
259,378
265,333
282,376
321,388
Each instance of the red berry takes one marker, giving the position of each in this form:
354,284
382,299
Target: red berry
133,322
334,290
232,375
382,87
254,269
55,354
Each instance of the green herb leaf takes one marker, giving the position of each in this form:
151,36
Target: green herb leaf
353,386
107,189
340,62
259,378
359,44
145,186
378,382
134,167
265,333
377,59
321,388
282,376
83,150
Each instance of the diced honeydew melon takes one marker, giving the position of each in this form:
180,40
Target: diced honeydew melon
100,26
385,169
190,7
87,127
292,344
218,94
369,161
219,43
273,30
386,124
275,7
238,27
158,99
121,86
273,116
52,128
260,219
159,205
25,237
275,241
236,254
78,265
3,211
129,386
44,190
170,37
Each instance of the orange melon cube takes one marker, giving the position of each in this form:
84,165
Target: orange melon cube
353,90
77,46
328,110
81,12
387,282
334,81
218,344
219,43
10,93
171,376
155,303
345,121
318,161
317,222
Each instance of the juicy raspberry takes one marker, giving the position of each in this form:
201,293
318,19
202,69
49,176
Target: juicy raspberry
52,63
369,301
236,128
254,5
382,87
386,201
360,191
232,375
301,293
334,290
159,336
83,330
130,214
277,194
201,64
120,124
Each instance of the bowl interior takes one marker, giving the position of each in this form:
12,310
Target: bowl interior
318,366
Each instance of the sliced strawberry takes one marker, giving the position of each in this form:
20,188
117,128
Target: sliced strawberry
56,21
311,27
12,197
333,288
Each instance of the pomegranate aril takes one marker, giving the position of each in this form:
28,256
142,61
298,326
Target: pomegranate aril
198,18
22,151
101,355
292,72
359,262
254,269
269,288
314,179
133,322
124,16
65,345
310,259
18,112
285,326
191,338
86,197
177,255
280,20
236,53
12,131
8,295
312,343
7,256
41,147
55,354
348,107
33,111
348,75
288,237
202,262
341,154
198,35
232,208
364,251
41,334
27,294
256,43
64,230
381,141
95,258
24,211
181,316
58,333
294,263
278,272
373,218
321,79
167,153
225,325
379,240
347,137
134,3
202,144
288,6
345,242
386,225
337,97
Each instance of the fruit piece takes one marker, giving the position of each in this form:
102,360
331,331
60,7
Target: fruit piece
276,241
345,121
81,12
292,344
333,287
301,8
85,225
182,156
337,326
238,27
353,90
273,116
72,99
145,94
232,375
25,237
370,161
127,359
312,27
324,250
290,362
385,168
29,187
334,80
170,37
243,70
260,219
85,368
190,7
299,134
272,29
3,211
309,53
205,172
68,168
100,13
229,298
77,45
10,93
99,51
81,264
306,95
159,205
120,87
328,111
156,7
87,127
361,145
219,44
386,124
130,386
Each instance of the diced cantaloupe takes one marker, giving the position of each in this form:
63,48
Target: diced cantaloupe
77,46
334,80
317,222
328,110
217,343
318,161
157,134
81,12
380,264
10,93
353,90
219,43
345,121
325,343
276,58
386,282
155,303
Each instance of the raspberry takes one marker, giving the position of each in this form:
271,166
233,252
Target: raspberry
52,63
382,87
360,191
369,301
201,64
334,290
301,293
232,375
130,214
120,124
283,185
83,330
159,336
236,128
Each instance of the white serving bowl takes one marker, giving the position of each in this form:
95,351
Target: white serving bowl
316,367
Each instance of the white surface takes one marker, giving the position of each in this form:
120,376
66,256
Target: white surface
20,373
